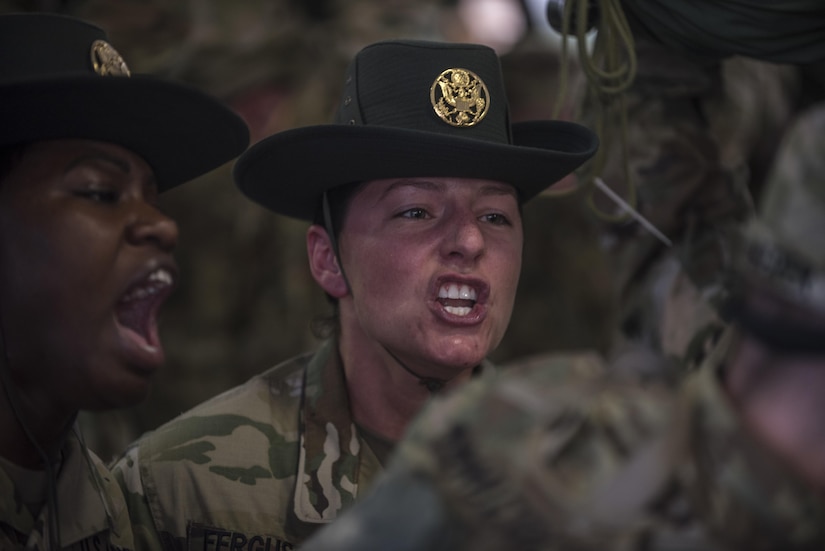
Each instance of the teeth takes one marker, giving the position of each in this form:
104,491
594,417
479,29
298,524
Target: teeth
157,280
455,291
458,310
162,276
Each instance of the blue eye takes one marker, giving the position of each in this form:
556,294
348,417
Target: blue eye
418,213
496,219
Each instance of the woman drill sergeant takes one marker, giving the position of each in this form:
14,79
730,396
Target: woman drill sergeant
86,258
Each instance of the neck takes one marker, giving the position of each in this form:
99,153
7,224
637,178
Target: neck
384,395
41,424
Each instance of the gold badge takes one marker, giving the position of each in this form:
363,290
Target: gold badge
106,61
459,97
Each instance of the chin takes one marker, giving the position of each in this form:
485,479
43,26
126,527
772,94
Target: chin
460,361
465,351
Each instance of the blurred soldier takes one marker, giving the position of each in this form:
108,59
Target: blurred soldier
689,121
415,193
86,258
571,456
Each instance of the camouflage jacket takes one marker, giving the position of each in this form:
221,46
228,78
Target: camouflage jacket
91,508
566,457
260,466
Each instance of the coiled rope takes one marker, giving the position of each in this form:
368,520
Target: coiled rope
610,69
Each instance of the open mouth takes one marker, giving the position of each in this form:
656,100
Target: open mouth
457,299
137,310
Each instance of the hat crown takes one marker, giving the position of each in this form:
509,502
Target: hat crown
396,84
41,46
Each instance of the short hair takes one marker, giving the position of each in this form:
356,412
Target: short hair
339,199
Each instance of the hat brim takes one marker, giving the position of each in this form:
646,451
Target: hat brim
181,132
288,172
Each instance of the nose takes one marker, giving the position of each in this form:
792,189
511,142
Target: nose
150,226
465,239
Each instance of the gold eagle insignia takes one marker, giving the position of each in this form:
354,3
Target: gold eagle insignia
106,61
459,97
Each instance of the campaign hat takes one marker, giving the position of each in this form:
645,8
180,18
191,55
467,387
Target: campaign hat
413,108
60,78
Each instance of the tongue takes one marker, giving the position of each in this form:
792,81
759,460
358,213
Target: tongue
135,315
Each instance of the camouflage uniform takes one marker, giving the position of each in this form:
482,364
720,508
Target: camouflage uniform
83,485
603,463
261,466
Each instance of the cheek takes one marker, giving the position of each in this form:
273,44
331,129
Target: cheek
51,290
379,268
507,267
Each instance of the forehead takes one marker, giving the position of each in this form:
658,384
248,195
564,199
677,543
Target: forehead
437,185
72,151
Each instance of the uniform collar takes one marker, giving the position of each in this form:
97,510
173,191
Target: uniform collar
330,451
89,502
334,463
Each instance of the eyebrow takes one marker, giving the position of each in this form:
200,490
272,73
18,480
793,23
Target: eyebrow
427,185
117,162
499,189
422,184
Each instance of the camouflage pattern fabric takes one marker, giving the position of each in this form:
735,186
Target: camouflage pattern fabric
260,466
693,188
567,456
697,136
91,508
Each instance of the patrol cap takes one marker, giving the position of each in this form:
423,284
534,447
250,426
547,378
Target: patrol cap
61,79
413,109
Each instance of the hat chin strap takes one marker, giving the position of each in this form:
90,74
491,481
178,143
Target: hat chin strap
333,240
431,384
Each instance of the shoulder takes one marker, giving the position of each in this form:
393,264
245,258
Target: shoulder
240,447
270,399
541,374
541,388
265,410
559,435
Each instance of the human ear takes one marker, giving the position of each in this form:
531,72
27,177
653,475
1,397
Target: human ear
323,262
